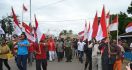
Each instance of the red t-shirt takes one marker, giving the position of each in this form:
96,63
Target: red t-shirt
42,50
31,47
51,46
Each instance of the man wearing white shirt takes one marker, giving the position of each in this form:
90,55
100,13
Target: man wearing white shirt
96,63
81,50
95,52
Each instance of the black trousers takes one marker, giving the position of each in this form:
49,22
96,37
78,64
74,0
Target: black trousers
5,62
60,55
88,62
105,63
68,53
41,62
111,66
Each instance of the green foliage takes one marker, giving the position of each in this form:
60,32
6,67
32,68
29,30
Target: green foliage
10,44
122,21
66,32
7,24
129,10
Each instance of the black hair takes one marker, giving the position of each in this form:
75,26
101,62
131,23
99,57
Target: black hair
15,36
25,37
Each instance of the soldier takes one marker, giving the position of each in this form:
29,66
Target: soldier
68,50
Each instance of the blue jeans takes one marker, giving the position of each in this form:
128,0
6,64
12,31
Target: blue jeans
80,56
16,60
22,62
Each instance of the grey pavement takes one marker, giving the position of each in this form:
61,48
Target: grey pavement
74,65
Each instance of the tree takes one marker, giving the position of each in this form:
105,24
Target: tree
129,10
122,21
7,25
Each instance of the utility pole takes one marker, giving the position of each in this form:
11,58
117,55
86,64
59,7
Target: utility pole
30,15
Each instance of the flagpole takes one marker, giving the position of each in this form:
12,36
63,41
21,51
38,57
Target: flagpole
22,15
22,12
117,30
30,14
109,33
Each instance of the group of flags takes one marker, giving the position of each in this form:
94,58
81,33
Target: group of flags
33,33
99,29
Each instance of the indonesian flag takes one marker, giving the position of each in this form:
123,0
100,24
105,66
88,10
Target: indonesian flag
90,31
129,27
17,29
24,8
43,37
114,25
85,31
30,37
99,36
103,23
95,26
36,22
1,31
107,19
28,31
81,35
39,34
15,18
26,27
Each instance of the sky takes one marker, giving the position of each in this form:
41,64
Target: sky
56,15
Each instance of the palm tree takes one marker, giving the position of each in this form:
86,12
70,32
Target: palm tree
7,25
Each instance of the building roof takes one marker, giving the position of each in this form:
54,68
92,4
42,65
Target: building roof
126,35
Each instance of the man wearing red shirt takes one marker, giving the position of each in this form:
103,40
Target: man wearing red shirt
31,53
41,59
51,47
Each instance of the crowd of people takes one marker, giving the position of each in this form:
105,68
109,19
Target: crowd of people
99,55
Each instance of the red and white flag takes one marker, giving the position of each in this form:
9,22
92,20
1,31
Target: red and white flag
15,18
129,27
36,22
103,22
28,31
99,36
24,8
39,34
90,31
81,35
85,31
43,37
114,25
95,26
17,29
26,27
107,19
30,37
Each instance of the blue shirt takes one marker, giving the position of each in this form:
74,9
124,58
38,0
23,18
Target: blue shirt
22,50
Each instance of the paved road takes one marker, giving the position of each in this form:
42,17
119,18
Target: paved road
74,65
